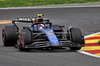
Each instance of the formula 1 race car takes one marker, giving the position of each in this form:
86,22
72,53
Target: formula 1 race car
41,34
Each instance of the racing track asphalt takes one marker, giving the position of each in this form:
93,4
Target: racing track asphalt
87,19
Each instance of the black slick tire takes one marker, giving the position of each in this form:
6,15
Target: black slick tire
9,35
24,38
76,37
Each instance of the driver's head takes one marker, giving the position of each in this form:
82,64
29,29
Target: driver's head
39,19
40,26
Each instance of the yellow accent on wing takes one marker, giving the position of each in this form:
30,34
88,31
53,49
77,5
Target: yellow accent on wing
39,15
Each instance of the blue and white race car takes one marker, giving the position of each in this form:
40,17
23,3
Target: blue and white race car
41,34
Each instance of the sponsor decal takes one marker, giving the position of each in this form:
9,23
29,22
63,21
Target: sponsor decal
50,33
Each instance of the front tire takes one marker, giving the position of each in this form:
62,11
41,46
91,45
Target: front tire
19,39
24,38
76,37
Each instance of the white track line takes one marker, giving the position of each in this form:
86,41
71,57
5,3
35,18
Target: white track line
92,34
89,54
53,6
86,53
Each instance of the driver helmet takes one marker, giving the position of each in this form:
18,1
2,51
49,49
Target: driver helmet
40,26
39,19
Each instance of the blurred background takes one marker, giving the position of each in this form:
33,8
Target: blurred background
20,3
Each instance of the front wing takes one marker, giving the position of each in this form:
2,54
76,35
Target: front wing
44,44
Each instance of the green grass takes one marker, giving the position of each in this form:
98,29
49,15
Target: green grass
19,3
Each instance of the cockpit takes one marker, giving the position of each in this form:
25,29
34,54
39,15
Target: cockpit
42,25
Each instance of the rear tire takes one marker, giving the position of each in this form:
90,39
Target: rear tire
76,37
9,35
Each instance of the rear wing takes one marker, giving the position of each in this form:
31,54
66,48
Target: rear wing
27,19
24,19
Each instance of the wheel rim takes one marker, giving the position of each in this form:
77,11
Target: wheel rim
3,37
70,34
18,41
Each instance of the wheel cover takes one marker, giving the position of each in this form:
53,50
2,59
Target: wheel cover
18,41
3,36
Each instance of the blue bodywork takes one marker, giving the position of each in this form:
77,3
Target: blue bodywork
49,33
